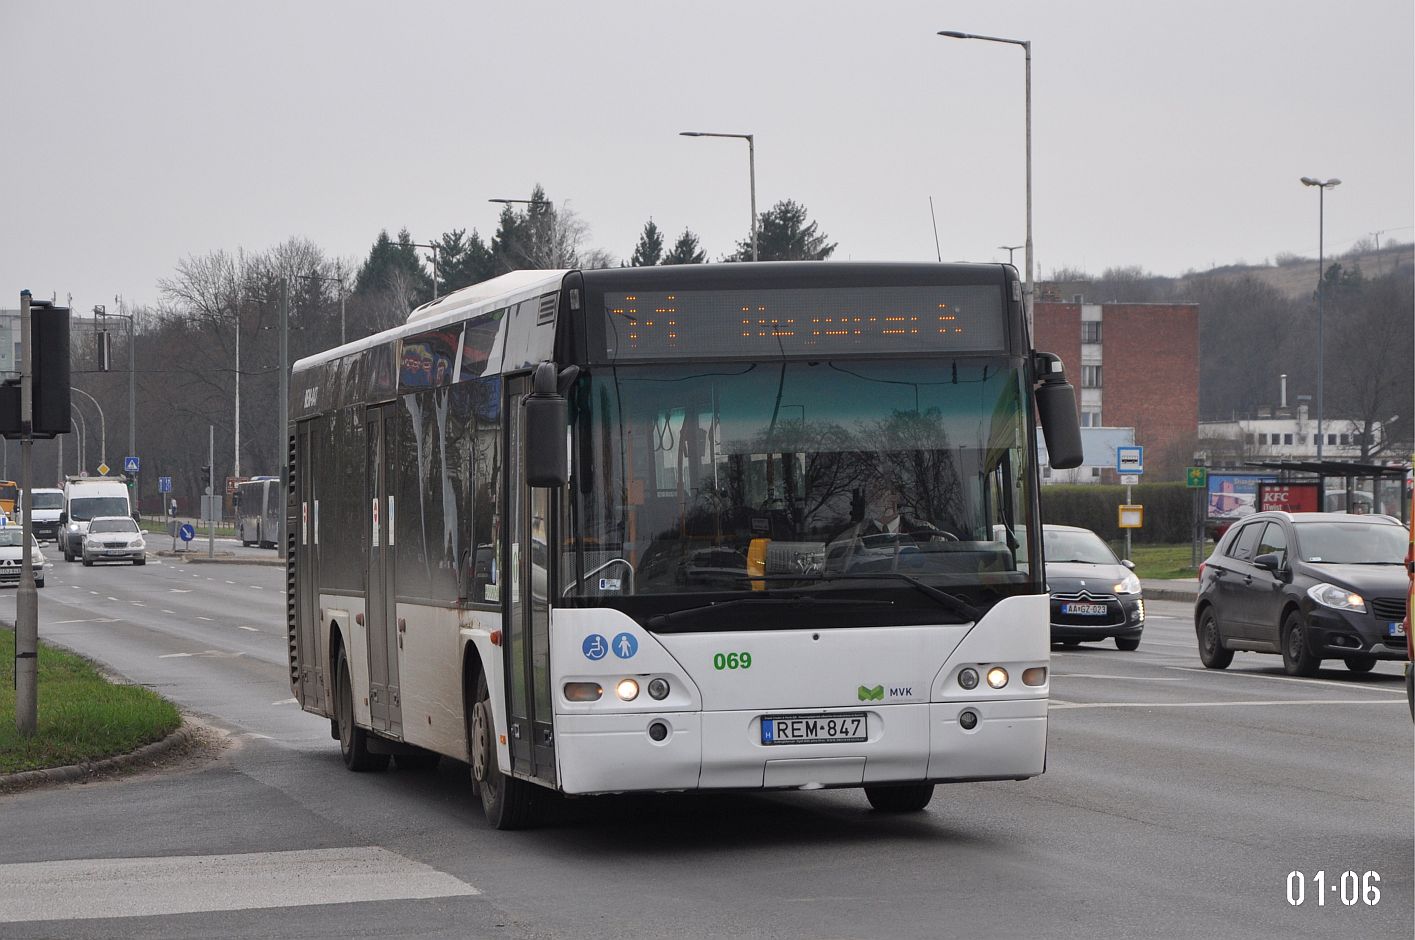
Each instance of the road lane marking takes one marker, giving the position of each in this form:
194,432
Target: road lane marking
96,620
84,889
207,619
230,582
1349,686
252,629
175,655
255,587
138,604
287,701
166,611
1305,701
179,590
112,598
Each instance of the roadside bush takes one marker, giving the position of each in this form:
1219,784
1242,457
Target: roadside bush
1169,510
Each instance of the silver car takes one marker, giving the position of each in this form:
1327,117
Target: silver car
11,552
114,538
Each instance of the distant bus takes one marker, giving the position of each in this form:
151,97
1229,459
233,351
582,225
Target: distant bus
259,503
9,494
697,527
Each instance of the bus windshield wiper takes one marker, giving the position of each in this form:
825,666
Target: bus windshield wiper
805,602
952,602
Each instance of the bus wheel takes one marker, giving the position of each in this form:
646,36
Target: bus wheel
507,802
353,740
906,799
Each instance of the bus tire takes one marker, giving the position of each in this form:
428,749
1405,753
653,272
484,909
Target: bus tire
353,740
909,798
509,803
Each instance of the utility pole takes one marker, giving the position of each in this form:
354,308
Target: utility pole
211,492
283,451
27,599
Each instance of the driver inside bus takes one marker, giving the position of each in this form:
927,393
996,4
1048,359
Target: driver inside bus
884,522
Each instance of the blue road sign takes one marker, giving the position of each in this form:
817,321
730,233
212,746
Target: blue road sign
130,464
164,484
1130,460
186,532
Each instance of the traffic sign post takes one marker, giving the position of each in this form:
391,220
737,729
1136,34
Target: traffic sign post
1196,478
131,464
1129,463
164,484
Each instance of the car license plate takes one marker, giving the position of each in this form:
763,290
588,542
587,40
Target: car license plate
1397,628
814,729
117,551
1090,610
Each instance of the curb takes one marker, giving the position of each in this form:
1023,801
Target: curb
1170,594
26,779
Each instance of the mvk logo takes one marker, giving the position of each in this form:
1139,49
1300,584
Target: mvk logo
901,692
872,695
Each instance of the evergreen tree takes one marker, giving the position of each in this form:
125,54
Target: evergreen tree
649,250
462,261
394,264
785,235
686,250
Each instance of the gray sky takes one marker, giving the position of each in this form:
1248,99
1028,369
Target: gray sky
1168,135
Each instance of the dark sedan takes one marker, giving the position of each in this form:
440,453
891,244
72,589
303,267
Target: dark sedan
1309,586
1094,595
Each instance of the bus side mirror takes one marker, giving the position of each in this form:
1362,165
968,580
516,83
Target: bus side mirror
547,422
1056,408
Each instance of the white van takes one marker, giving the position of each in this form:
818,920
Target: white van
46,506
86,499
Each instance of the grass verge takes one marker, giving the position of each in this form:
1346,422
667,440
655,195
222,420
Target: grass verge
82,716
1161,561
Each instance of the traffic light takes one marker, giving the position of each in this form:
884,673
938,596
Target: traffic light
49,358
206,478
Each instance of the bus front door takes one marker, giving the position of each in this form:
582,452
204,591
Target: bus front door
532,737
303,538
385,704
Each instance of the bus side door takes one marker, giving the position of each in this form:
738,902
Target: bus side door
385,703
527,635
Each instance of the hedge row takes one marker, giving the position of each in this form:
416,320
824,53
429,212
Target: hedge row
1169,509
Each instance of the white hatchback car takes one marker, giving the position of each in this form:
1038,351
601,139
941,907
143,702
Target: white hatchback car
11,552
114,538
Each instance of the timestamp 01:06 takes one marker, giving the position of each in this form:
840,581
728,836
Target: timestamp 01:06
1350,887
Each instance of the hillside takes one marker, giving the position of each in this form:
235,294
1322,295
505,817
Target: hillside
1298,277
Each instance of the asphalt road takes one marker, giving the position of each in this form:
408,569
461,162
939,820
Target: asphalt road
1176,803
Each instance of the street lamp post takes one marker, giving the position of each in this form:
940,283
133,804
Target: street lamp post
432,248
339,279
1026,45
751,170
1009,249
1322,187
102,425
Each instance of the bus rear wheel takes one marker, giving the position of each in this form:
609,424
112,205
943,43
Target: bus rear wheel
906,799
509,803
353,740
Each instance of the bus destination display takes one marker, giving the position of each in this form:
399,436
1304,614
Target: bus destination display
829,321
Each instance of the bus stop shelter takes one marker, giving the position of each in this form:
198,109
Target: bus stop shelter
1350,474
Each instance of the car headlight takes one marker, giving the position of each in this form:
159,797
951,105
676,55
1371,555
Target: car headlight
1131,585
1337,598
136,543
73,527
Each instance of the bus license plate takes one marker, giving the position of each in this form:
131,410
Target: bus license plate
1397,628
814,729
1090,610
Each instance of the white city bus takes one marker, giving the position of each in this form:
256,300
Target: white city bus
709,527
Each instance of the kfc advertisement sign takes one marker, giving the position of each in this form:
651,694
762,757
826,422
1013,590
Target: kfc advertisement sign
1289,497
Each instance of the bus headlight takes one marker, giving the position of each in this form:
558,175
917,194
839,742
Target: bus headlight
1036,675
627,690
997,677
658,689
968,678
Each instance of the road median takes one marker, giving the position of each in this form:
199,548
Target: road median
87,724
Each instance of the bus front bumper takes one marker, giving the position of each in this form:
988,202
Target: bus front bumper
722,750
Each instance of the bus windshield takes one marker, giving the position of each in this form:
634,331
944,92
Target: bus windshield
809,474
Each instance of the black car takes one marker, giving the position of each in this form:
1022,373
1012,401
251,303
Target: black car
1308,585
1094,595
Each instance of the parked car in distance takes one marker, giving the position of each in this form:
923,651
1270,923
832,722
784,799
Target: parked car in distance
45,508
11,556
1309,586
1094,595
114,538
